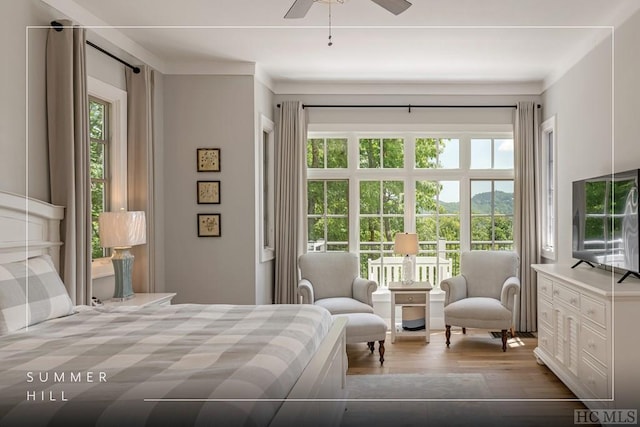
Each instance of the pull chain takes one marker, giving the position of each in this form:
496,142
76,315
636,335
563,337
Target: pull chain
330,42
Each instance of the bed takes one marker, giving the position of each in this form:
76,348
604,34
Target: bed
185,364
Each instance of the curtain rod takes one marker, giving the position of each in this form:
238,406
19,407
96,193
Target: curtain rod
59,27
407,106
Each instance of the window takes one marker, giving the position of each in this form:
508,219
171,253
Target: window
454,189
548,185
492,153
491,214
99,137
267,193
328,215
108,155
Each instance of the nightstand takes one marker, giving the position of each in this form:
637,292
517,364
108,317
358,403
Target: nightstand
143,300
415,294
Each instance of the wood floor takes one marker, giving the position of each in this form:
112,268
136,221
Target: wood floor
525,392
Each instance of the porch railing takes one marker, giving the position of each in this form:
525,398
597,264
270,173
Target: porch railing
428,269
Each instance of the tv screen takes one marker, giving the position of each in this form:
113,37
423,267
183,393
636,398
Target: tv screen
605,220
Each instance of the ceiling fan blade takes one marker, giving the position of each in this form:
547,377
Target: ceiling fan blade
299,9
394,6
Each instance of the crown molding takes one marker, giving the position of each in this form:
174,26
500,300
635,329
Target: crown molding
215,68
404,88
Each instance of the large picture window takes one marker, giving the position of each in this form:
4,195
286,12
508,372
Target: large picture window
454,189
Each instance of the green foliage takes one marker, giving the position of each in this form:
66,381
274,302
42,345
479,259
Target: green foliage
427,151
98,171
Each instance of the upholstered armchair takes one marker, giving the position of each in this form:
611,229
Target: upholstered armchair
484,295
331,280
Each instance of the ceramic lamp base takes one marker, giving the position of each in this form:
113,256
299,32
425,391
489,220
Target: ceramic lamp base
407,270
122,261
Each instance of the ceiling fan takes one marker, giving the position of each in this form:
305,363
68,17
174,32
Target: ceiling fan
299,8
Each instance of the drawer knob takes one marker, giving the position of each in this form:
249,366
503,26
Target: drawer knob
573,300
410,298
591,344
591,312
556,292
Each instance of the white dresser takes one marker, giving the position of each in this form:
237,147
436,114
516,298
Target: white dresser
589,333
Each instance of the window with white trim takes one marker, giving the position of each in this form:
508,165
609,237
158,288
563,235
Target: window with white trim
427,182
548,186
108,155
267,185
99,137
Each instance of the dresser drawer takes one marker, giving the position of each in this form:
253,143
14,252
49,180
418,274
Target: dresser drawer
411,298
545,339
593,310
594,378
594,344
566,295
545,286
545,312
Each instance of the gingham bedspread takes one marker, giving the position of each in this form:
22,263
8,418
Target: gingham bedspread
105,366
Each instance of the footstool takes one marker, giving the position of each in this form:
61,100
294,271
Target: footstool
366,327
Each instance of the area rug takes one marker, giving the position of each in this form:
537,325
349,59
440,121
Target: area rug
417,400
519,334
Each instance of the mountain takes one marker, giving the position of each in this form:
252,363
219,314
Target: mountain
481,204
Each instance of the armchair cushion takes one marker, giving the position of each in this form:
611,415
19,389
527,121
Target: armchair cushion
483,270
478,312
331,274
341,305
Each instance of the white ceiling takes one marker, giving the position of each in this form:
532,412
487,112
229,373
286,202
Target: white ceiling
434,41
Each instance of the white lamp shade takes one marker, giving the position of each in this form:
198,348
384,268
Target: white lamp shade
122,229
406,244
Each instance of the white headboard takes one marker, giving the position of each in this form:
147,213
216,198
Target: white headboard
28,227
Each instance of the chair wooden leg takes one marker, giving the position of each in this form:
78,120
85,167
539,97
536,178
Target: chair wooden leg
371,346
447,334
513,332
464,330
504,340
381,350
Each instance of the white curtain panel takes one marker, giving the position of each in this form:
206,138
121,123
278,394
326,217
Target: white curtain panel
68,140
140,170
291,199
527,210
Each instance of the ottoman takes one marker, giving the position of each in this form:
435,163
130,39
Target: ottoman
366,327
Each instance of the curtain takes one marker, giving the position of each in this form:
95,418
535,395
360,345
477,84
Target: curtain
68,141
140,170
527,210
291,199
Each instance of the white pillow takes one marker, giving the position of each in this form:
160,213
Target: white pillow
31,292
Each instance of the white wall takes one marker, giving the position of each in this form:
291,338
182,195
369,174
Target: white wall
582,103
209,111
20,164
627,95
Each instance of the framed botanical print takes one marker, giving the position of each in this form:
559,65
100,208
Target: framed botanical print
208,160
208,192
209,225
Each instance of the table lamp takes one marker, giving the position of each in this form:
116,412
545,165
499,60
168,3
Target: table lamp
121,230
406,244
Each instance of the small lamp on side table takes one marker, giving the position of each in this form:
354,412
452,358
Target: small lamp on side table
121,230
407,244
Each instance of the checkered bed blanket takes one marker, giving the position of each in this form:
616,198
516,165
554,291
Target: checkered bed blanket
117,366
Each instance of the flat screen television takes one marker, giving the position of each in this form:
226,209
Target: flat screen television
605,221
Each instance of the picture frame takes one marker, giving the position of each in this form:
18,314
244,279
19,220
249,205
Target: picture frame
209,225
208,159
208,192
